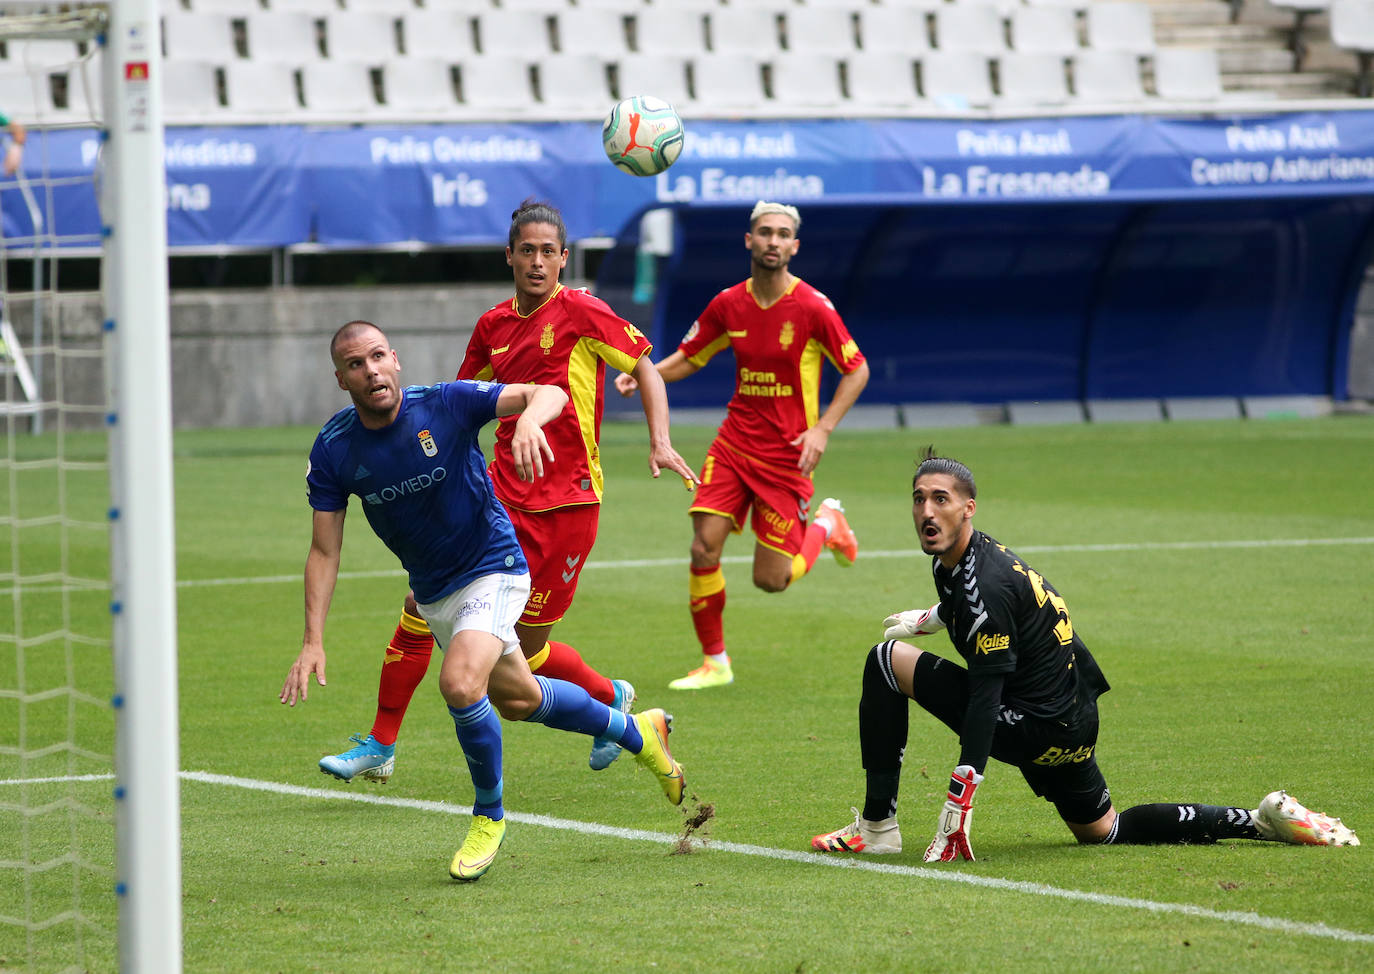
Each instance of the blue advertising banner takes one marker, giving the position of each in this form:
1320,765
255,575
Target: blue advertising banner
274,186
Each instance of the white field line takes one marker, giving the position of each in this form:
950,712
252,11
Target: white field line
1274,924
1128,546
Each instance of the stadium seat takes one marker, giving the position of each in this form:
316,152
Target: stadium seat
899,30
282,37
663,75
26,96
437,34
496,85
360,36
670,30
35,55
1352,28
806,82
190,93
916,4
1075,4
198,37
234,8
1187,74
1120,27
1031,80
625,6
744,29
315,8
392,7
955,80
727,84
338,89
418,88
882,80
518,33
1107,77
574,83
971,27
1301,10
599,29
546,7
262,89
1044,30
820,30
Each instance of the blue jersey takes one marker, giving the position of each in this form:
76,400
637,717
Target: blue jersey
424,485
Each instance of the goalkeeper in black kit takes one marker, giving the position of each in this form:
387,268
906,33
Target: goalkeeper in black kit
1027,696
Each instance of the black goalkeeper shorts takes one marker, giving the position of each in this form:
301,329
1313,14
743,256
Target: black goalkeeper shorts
1057,759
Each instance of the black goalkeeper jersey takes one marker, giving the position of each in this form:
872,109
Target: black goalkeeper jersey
1004,618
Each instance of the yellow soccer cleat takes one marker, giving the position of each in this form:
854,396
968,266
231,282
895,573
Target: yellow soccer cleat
708,674
479,849
842,542
1282,818
654,726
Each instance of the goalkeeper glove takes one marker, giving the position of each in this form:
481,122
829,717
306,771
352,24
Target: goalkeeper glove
956,818
913,622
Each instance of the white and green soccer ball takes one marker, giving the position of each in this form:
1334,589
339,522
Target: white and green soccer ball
642,135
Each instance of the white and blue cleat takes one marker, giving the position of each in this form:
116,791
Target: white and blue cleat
373,761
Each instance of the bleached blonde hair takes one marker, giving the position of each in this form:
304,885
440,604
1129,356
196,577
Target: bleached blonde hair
764,207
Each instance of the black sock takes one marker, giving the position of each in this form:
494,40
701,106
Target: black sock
882,733
1196,824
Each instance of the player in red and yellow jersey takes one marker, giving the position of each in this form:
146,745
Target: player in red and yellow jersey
564,337
781,329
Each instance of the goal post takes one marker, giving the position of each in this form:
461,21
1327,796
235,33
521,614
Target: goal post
143,570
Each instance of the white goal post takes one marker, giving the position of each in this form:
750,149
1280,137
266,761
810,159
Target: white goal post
143,570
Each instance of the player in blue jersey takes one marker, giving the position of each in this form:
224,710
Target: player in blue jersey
411,455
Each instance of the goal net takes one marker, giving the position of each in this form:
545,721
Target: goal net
88,818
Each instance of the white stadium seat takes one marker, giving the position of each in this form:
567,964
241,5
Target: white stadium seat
728,84
661,75
885,79
583,30
190,93
496,84
1107,77
975,27
1121,27
314,8
360,36
670,30
1032,80
1187,74
1044,30
37,55
1352,28
806,82
419,87
519,33
282,37
744,29
902,30
574,83
261,89
956,79
437,34
820,30
198,37
338,89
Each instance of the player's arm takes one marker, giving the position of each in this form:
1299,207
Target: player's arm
955,824
14,153
653,395
671,369
321,573
537,405
814,440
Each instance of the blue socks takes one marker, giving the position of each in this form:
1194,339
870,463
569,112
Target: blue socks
566,706
479,734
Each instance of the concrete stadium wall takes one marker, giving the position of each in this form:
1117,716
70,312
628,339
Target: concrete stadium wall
260,358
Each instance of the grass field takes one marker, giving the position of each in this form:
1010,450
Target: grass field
1219,572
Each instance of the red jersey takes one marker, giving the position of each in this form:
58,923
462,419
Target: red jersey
778,353
566,342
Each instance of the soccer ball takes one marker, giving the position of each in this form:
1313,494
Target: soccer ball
642,135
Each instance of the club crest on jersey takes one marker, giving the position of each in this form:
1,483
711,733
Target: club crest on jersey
427,443
785,339
546,337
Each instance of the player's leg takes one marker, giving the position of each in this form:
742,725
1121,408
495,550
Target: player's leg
888,683
522,695
830,529
706,600
556,545
404,666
